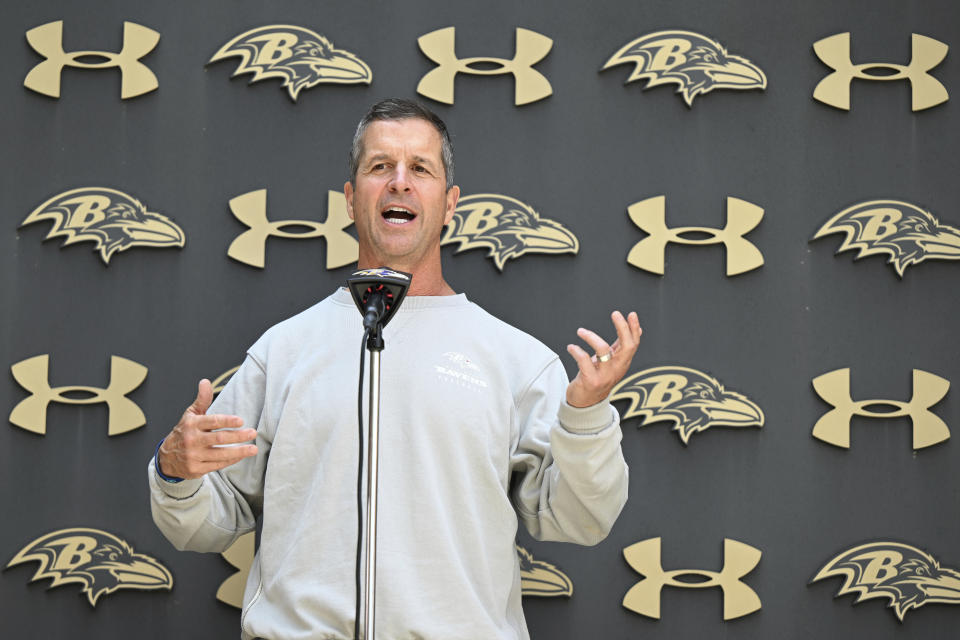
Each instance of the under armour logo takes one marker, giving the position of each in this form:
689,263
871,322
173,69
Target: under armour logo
250,247
834,426
739,559
136,77
650,215
530,84
926,91
33,375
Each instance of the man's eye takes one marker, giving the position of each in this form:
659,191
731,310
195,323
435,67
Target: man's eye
420,169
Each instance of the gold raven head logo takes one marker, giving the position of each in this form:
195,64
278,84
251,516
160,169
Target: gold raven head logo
692,400
908,577
696,63
905,232
507,228
111,219
97,560
300,57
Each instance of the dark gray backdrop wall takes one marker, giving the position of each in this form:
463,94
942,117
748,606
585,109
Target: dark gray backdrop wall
580,157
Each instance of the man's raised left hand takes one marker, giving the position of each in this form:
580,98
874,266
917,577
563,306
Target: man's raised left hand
606,367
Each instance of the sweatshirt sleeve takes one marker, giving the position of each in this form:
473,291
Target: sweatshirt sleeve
569,476
210,513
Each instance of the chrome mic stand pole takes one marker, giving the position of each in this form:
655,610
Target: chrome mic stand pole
374,347
377,293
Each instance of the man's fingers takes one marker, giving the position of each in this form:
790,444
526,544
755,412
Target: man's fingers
229,436
582,357
215,421
628,334
598,344
197,460
624,335
596,378
200,469
204,398
226,456
634,321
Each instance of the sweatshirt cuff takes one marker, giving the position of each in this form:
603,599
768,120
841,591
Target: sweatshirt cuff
178,490
586,420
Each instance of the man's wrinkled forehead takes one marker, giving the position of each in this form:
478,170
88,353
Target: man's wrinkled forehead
417,136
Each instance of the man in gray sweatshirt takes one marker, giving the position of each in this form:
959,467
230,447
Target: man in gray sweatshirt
480,431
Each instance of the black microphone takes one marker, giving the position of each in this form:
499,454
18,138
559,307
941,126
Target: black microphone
378,294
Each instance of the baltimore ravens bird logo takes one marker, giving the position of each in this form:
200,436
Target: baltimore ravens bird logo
300,57
506,227
692,400
696,63
95,559
905,232
111,219
908,577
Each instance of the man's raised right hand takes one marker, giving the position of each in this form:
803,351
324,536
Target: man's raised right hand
190,450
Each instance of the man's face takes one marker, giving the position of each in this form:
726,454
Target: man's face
399,201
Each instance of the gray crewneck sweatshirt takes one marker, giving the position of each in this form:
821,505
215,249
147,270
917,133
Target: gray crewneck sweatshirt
474,435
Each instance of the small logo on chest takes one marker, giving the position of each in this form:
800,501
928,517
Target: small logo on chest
460,370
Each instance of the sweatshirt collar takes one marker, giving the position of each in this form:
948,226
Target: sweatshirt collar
342,296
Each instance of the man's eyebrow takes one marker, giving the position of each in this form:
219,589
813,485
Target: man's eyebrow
377,156
423,160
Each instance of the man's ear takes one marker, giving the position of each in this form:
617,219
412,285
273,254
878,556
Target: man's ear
453,195
348,193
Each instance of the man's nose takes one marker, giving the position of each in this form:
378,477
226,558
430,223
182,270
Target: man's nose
400,181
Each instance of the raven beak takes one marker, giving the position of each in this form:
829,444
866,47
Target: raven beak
544,580
156,230
734,412
553,239
945,244
942,589
143,574
736,73
344,68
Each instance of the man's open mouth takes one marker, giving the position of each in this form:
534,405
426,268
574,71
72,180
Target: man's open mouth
397,215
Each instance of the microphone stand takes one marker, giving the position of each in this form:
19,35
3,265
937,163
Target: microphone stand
375,345
377,294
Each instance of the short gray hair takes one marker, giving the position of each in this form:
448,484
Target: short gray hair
400,109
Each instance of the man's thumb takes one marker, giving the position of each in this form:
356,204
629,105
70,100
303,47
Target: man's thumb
204,398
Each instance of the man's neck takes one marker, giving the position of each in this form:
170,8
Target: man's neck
426,280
